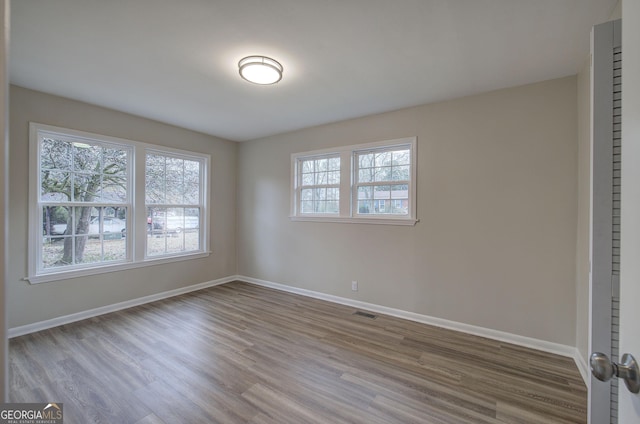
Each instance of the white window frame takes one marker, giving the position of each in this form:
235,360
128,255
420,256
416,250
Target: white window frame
348,200
136,210
155,150
299,185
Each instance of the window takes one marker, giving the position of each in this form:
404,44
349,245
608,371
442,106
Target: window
85,217
381,176
174,203
374,183
318,187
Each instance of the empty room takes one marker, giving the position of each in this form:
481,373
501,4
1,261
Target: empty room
287,211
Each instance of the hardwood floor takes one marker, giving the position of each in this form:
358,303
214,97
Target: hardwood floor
239,353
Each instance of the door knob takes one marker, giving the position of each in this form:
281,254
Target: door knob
603,369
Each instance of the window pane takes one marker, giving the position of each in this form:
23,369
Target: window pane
383,159
54,220
401,157
191,193
382,174
307,179
400,173
81,219
306,206
115,162
55,154
55,186
307,194
365,193
115,250
156,220
92,252
365,206
400,191
109,222
175,169
366,160
334,164
114,179
52,251
321,178
87,158
154,190
174,192
114,191
322,165
333,207
191,219
316,174
400,206
382,192
365,175
154,179
307,166
192,171
155,166
86,188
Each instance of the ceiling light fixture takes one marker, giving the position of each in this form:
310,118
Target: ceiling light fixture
260,70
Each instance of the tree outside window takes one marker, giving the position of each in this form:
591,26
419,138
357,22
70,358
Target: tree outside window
81,184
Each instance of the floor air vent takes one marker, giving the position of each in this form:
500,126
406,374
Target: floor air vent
365,314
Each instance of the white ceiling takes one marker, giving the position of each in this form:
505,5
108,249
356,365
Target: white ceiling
176,60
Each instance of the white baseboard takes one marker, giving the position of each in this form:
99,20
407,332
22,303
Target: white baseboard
66,319
545,346
583,367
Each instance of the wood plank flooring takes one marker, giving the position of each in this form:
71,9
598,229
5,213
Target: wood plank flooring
240,353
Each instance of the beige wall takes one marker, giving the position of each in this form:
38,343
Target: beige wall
497,200
33,303
584,206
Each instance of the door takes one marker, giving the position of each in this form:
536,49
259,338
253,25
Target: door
607,148
629,404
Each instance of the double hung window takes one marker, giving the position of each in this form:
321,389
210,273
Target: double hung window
382,181
318,187
374,183
173,203
99,203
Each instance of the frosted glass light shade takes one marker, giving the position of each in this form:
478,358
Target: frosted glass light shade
260,70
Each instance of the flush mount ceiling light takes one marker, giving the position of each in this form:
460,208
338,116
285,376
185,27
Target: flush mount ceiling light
260,70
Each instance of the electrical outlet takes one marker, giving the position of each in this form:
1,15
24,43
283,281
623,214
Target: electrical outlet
354,286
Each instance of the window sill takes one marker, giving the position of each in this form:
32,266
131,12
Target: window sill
65,275
352,220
